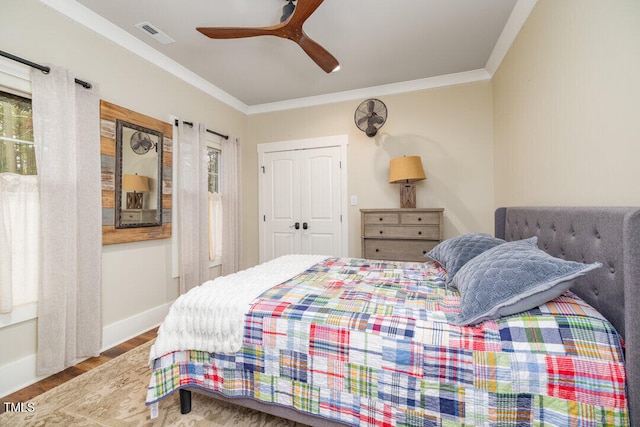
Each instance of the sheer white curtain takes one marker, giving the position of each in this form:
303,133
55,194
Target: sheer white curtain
215,226
19,240
66,124
193,199
231,205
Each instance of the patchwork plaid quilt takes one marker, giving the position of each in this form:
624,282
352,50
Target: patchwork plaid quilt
369,343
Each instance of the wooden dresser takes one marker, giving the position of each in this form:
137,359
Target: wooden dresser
400,234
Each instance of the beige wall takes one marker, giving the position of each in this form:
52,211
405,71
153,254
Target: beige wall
136,276
450,128
567,121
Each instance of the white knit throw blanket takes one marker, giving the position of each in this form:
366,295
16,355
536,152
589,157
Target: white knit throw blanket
210,317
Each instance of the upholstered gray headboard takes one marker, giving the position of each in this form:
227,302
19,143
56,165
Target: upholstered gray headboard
610,235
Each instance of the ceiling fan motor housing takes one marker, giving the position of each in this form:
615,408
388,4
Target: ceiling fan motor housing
287,10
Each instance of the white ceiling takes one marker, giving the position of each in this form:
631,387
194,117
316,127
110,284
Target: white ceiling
377,42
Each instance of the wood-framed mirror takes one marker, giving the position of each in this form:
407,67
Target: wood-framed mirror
136,153
138,185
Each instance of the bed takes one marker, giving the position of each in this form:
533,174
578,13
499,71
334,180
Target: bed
363,342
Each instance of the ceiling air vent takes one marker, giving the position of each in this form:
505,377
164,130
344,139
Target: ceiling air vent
154,32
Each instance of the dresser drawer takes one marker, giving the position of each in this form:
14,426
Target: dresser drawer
131,215
397,250
381,218
417,218
428,232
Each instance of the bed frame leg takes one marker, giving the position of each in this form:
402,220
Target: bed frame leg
185,401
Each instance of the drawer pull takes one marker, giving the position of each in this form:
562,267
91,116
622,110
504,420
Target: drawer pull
419,233
424,252
419,219
377,250
380,219
381,232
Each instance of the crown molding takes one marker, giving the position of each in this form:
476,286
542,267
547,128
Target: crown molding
389,89
518,17
96,23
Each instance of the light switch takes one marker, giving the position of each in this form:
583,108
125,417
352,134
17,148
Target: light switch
354,200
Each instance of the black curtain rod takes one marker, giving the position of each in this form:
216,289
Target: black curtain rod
39,67
208,130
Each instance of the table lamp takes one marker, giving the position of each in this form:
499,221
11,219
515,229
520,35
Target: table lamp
137,184
406,171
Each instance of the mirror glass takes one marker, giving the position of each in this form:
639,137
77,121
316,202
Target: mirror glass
138,195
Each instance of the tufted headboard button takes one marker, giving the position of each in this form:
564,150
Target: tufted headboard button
596,291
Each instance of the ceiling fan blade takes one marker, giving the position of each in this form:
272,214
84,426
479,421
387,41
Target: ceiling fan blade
320,55
290,29
238,32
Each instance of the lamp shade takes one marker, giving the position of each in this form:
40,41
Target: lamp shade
137,183
406,169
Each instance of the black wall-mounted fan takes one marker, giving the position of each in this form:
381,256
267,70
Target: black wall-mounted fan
141,142
370,116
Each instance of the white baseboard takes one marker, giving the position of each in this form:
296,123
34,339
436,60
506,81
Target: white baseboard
18,374
22,372
123,330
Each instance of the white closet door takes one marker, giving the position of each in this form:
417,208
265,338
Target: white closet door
320,199
302,202
282,203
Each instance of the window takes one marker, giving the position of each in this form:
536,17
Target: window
213,166
20,210
17,153
215,202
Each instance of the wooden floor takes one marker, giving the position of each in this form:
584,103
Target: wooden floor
48,383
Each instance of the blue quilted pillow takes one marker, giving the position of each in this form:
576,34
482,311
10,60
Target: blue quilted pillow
453,253
512,278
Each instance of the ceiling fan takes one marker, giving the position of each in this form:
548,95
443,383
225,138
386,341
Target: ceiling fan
290,27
